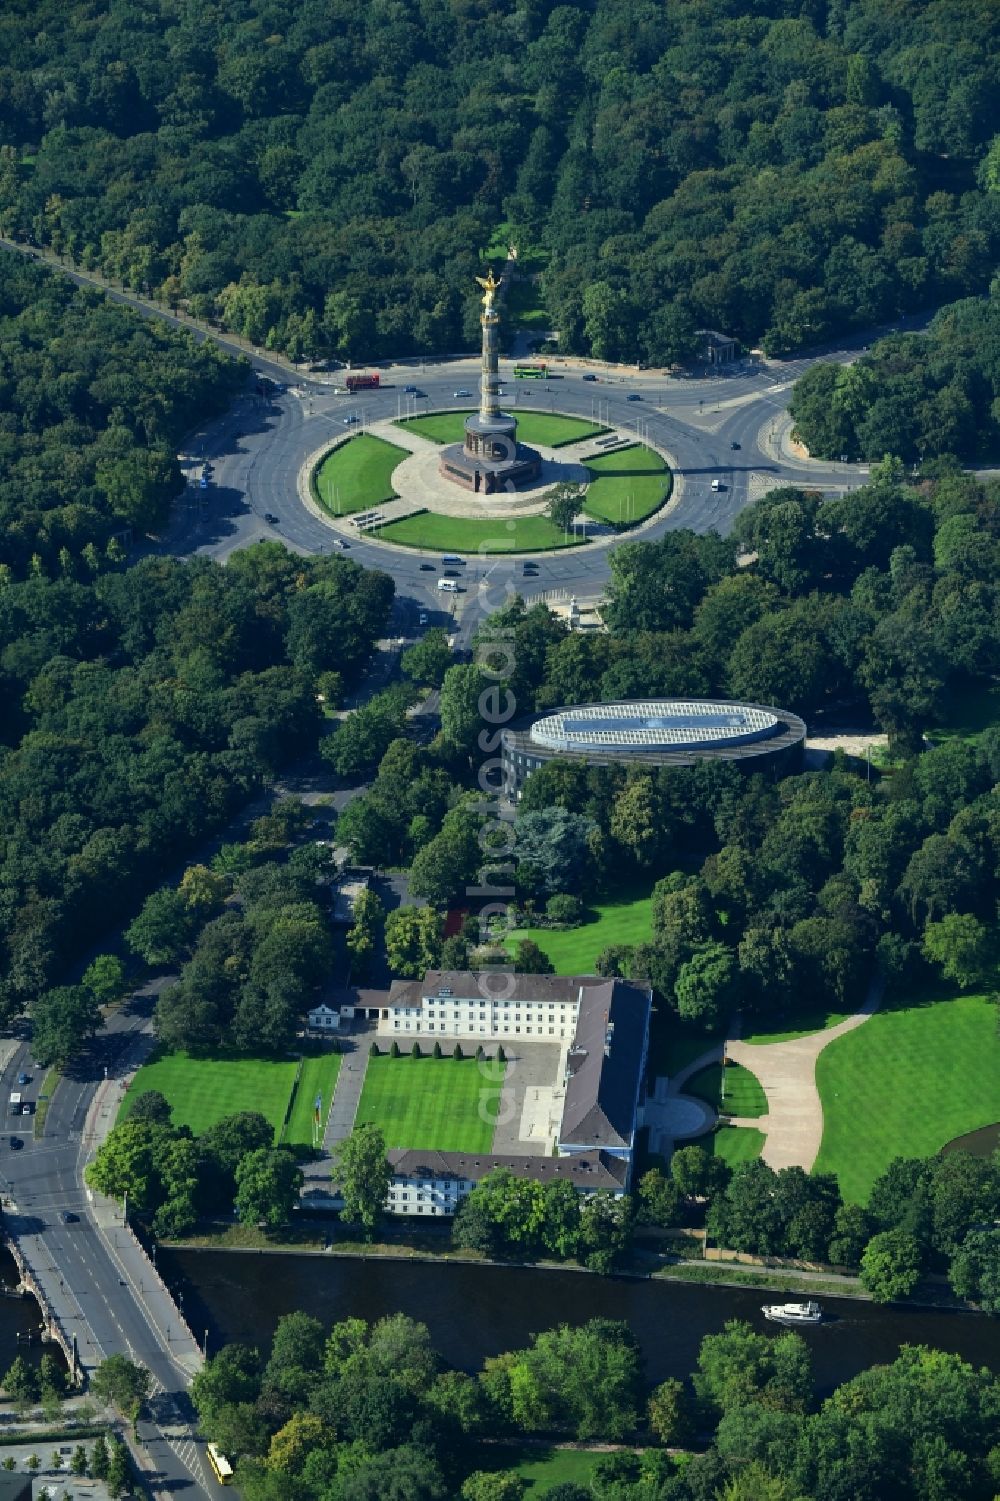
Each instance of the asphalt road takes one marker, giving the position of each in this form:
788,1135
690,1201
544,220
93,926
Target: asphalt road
97,1284
714,427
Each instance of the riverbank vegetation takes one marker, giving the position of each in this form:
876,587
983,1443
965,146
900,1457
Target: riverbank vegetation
313,179
173,1178
361,1411
922,1216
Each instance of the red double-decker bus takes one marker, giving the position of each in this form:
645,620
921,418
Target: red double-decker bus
362,382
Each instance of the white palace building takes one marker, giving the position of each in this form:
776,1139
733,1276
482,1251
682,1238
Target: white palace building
602,1029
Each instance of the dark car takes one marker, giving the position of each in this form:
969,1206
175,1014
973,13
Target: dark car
588,376
24,1078
68,1218
427,568
16,1143
734,446
271,518
410,390
633,396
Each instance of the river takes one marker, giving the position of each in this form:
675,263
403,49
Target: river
476,1311
20,1320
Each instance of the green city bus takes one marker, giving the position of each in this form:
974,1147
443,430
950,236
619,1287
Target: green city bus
531,372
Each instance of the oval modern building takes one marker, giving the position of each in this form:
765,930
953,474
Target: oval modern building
655,732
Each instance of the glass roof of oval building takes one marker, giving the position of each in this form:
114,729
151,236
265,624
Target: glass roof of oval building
656,724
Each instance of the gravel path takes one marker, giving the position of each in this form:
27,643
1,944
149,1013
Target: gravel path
793,1125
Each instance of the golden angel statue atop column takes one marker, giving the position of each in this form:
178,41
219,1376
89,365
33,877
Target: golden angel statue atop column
490,288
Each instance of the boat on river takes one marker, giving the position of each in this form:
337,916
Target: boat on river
793,1314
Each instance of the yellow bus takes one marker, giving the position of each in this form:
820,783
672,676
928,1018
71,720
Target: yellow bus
221,1467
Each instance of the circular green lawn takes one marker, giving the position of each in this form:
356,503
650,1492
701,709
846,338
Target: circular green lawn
550,429
357,475
625,487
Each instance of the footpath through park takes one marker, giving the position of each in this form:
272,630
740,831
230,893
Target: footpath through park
786,1071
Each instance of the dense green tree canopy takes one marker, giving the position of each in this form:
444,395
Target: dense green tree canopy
137,712
322,178
913,395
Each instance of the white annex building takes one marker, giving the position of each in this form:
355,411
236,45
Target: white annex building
601,1027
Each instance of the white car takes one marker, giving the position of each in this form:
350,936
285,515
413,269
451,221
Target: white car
460,394
422,618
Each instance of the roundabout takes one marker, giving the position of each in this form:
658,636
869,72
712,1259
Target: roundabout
491,481
709,431
386,484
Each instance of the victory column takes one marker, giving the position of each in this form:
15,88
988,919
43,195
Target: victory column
491,459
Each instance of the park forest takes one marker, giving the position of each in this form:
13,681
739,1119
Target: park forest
363,1412
140,710
323,178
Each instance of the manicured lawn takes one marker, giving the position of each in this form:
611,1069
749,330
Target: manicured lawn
543,1468
203,1090
318,1077
904,1084
470,535
974,708
744,1095
550,429
627,485
734,1144
438,1104
625,919
809,1022
358,474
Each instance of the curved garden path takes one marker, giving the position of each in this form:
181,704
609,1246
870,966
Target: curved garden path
793,1126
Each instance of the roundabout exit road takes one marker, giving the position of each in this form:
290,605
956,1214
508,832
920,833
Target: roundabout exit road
718,428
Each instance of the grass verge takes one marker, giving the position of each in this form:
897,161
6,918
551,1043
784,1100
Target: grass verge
786,1282
734,1144
48,1089
318,1078
470,535
810,1022
627,486
743,1096
573,951
541,1466
906,1082
437,1104
201,1091
357,475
